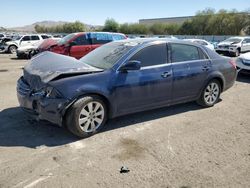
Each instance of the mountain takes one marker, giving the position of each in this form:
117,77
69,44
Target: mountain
31,28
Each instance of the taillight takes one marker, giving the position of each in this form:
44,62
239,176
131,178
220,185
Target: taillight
233,63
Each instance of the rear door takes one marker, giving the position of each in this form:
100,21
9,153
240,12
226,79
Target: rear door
149,87
191,67
81,47
34,39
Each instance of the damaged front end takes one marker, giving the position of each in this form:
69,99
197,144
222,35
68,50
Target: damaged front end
45,103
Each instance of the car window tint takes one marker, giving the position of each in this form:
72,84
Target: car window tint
100,38
45,36
202,54
34,37
26,38
183,52
152,55
247,40
81,40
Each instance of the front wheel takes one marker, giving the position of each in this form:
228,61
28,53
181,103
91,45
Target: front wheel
86,116
210,94
12,49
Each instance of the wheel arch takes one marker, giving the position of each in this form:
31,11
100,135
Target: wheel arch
102,96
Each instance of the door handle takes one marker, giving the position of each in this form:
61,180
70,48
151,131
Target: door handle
165,74
205,68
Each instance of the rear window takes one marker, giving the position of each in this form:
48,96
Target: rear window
184,52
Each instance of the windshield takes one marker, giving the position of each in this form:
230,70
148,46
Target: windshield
106,56
65,39
234,40
16,38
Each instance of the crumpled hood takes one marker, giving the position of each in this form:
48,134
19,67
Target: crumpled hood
48,65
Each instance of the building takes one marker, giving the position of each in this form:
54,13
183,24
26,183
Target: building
171,20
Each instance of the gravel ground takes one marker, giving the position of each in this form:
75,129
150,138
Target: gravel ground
179,146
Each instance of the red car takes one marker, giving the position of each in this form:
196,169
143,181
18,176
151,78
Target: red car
79,44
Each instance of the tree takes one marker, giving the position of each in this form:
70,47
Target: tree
111,25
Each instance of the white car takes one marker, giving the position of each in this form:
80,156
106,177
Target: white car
243,63
25,40
234,45
201,42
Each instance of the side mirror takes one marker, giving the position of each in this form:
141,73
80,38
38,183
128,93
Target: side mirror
244,42
130,65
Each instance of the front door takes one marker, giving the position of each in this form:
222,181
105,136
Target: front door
149,87
81,47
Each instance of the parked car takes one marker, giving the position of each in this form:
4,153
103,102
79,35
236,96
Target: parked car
120,78
202,42
24,40
79,44
32,49
243,63
234,45
2,36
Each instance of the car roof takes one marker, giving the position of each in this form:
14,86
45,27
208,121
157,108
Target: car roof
144,41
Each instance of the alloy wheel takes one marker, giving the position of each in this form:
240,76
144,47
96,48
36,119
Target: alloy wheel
211,93
91,116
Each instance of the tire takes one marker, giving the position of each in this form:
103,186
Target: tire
80,118
236,53
12,49
210,94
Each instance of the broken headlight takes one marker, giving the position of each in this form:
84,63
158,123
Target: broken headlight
48,92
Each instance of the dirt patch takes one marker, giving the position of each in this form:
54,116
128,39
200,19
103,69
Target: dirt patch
130,148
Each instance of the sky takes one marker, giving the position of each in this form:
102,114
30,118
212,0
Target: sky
24,12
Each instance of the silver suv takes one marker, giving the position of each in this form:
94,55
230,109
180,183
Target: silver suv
24,40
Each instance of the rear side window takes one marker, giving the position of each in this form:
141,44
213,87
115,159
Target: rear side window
183,52
82,40
45,36
34,37
100,38
26,38
152,55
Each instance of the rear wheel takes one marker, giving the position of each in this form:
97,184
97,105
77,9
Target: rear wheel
86,116
210,94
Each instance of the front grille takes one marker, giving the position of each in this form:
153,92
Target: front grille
224,46
22,87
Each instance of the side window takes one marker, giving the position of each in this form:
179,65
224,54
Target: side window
183,52
35,37
82,40
247,40
45,36
152,55
100,38
26,38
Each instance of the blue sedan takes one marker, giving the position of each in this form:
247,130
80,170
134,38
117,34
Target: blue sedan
120,78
